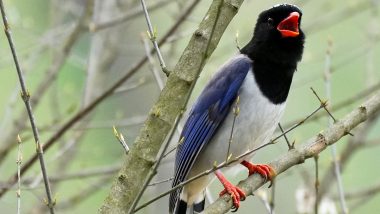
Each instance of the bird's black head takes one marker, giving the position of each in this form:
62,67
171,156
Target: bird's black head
277,37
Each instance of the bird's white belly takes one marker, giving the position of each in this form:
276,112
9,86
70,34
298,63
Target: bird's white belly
254,126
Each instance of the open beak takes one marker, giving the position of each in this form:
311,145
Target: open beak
289,26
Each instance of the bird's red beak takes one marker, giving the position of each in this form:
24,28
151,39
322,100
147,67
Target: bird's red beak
289,26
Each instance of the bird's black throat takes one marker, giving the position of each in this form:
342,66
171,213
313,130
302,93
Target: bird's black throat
274,63
274,80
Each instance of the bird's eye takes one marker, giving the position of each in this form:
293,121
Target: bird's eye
270,21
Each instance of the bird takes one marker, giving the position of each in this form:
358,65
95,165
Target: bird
256,81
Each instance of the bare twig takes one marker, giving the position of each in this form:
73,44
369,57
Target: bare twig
171,150
152,36
156,74
26,98
18,162
236,111
316,184
344,103
160,182
324,104
119,136
290,145
337,171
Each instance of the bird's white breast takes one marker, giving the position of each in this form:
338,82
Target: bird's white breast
254,126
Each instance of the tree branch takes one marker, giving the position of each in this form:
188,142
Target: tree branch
169,105
312,147
26,98
86,110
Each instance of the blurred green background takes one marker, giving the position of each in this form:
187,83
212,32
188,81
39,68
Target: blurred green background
97,59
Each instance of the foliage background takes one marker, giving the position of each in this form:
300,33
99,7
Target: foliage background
40,28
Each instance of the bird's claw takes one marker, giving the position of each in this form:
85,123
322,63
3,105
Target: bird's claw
264,170
236,194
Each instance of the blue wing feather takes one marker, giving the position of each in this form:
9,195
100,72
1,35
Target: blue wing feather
210,109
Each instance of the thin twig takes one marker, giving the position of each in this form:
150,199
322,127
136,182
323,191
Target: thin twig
119,136
224,164
26,98
160,182
362,94
171,150
236,111
316,184
337,171
155,73
290,145
324,104
153,36
18,162
65,127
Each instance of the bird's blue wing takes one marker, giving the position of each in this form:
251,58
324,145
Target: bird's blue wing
209,111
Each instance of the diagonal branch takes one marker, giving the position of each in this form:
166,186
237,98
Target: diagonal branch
311,148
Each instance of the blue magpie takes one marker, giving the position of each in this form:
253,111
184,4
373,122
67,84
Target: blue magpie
258,81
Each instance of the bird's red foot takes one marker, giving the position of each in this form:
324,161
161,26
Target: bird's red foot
264,170
236,193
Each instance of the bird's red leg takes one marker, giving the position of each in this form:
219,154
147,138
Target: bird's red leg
236,193
264,170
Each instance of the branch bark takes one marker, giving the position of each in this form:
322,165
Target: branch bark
311,148
170,104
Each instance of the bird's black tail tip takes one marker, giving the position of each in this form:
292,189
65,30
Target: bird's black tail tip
199,207
181,207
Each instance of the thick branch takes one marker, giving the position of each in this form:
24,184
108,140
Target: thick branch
311,148
169,105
